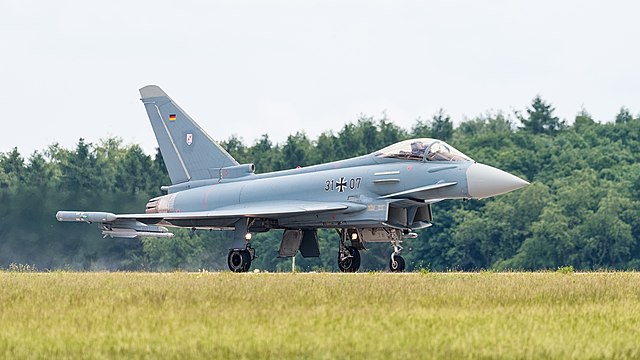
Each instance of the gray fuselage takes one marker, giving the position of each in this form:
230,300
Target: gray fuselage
362,180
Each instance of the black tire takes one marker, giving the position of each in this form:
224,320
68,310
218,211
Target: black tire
398,265
239,260
350,264
247,260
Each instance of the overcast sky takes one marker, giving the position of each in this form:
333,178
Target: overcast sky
72,68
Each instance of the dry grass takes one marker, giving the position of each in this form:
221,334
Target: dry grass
357,316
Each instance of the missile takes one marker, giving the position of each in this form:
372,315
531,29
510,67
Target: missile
125,228
88,216
132,233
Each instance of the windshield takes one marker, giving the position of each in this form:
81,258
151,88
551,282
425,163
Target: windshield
421,150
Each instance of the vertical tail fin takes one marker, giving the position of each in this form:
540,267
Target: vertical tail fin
188,151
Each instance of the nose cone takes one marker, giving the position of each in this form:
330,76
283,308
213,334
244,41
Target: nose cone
486,181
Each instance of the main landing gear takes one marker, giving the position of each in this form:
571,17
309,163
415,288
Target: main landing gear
348,256
239,260
349,259
241,255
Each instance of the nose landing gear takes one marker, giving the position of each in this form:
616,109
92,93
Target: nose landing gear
396,263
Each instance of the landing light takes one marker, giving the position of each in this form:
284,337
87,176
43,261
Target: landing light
354,236
247,236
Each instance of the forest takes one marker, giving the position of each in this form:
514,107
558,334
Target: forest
582,208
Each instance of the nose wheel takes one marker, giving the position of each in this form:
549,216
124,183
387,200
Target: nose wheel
396,264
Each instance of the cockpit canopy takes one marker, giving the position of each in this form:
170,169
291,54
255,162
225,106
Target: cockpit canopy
423,149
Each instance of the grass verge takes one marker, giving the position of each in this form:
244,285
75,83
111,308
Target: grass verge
374,315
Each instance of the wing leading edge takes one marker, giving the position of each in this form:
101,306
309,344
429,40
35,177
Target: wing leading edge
267,209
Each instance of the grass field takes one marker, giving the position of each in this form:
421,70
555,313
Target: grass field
333,316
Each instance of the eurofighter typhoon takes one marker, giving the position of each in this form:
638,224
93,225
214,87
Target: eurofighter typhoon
381,197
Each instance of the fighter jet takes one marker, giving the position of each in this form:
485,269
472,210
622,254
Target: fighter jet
380,197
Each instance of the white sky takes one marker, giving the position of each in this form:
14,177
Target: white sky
72,68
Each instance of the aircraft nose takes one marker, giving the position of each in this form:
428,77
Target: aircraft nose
486,181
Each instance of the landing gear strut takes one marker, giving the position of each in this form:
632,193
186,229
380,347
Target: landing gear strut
348,256
241,255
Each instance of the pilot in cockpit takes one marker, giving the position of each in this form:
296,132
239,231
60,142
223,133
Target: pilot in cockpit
417,148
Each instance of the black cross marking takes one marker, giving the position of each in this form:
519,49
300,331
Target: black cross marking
341,184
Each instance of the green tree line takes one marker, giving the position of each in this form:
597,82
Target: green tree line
581,209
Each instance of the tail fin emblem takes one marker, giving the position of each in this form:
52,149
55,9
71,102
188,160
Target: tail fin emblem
189,139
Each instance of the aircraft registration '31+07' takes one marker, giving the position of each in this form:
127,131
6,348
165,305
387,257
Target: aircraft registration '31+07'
380,197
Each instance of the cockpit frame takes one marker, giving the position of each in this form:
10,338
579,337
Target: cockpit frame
422,149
